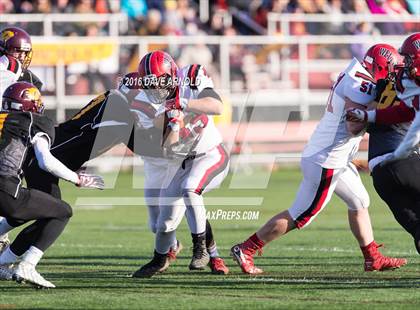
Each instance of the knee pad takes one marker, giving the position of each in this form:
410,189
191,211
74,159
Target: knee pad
358,202
69,210
164,227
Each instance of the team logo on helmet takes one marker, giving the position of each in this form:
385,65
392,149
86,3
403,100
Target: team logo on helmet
384,52
6,35
32,94
416,44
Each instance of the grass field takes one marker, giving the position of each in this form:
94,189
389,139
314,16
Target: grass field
316,268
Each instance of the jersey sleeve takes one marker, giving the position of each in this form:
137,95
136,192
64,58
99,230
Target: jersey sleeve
10,70
359,88
199,78
42,126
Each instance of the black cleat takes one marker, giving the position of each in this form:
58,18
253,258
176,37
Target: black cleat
201,257
158,264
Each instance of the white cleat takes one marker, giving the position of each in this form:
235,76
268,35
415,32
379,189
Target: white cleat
4,242
26,273
6,272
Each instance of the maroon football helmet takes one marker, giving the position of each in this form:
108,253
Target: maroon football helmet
410,49
23,96
380,60
157,71
16,42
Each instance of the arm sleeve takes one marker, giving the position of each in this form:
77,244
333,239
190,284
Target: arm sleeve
411,139
395,114
49,163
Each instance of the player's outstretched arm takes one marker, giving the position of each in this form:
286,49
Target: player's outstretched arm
49,163
392,115
208,102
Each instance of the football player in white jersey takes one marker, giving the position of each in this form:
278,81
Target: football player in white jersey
397,180
199,161
327,168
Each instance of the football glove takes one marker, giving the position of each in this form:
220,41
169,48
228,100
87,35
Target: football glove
176,103
88,180
356,115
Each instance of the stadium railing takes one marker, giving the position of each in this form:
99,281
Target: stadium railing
284,20
117,22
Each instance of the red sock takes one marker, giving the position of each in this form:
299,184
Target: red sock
254,241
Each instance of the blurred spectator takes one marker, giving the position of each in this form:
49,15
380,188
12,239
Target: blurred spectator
135,9
413,6
84,6
6,6
43,6
390,8
62,6
152,25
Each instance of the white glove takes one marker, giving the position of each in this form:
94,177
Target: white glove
356,115
90,180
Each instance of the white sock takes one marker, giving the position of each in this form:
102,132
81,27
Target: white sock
4,227
164,241
8,257
196,212
213,251
32,256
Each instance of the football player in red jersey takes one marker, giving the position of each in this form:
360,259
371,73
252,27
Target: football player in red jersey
395,172
327,168
198,163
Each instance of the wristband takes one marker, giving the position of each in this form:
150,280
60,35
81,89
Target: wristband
371,116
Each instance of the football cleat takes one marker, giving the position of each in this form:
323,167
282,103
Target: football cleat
173,253
158,264
244,257
6,272
201,257
375,261
4,242
217,266
26,273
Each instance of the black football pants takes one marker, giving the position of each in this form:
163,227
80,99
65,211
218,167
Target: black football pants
50,214
398,184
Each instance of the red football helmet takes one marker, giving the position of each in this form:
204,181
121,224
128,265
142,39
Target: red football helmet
380,60
410,49
157,71
16,42
23,96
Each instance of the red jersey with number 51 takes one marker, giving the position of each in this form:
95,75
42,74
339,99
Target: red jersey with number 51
331,145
